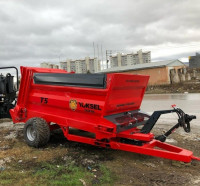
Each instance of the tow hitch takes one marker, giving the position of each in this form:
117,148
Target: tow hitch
183,121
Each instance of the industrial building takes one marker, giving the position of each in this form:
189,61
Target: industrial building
162,72
87,65
194,61
130,59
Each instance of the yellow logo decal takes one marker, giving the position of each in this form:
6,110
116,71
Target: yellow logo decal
73,104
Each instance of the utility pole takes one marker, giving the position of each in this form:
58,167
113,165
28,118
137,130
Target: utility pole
98,51
94,49
101,56
108,54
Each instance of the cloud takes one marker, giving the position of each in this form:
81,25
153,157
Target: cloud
46,30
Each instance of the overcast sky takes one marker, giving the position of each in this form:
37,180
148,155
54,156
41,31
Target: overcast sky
32,32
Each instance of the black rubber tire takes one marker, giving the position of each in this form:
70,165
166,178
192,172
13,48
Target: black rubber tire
42,132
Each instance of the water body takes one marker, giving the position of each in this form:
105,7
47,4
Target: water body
190,103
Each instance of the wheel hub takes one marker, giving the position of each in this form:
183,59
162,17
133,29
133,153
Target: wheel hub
31,133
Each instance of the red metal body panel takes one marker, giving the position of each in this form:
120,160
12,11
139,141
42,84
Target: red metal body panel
125,93
64,105
58,109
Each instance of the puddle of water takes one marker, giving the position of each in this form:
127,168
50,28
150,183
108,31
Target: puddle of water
190,103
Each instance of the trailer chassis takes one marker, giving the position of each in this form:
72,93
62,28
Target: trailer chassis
144,142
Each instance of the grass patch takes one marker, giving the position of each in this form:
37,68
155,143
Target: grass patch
56,164
107,177
10,177
49,174
61,175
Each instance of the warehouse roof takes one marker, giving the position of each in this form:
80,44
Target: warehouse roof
145,66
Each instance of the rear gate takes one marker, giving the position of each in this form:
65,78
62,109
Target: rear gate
125,93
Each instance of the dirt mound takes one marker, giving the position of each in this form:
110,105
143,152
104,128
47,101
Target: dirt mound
189,87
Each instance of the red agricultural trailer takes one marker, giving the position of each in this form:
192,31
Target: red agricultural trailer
104,105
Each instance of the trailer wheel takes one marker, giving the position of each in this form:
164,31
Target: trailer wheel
36,132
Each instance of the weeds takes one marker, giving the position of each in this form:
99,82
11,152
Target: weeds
60,163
